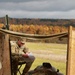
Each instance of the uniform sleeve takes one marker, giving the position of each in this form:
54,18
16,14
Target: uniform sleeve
21,50
16,49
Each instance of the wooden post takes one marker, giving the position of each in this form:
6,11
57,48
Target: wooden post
1,51
71,52
5,55
6,20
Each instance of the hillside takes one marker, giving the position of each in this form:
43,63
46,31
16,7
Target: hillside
59,22
40,26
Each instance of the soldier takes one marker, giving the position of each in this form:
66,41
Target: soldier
24,55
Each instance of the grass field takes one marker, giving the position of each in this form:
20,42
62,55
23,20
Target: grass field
49,52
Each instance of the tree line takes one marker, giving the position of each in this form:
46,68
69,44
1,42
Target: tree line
37,21
38,29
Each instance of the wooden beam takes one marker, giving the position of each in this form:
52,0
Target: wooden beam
1,51
5,55
34,35
71,52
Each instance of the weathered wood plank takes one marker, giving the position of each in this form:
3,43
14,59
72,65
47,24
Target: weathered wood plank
5,66
32,36
71,53
1,49
6,56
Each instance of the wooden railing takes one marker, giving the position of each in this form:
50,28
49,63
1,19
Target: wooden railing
35,36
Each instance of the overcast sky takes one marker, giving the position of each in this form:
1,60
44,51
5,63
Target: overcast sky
56,9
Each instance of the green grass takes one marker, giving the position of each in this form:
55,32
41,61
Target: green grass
58,65
54,48
45,46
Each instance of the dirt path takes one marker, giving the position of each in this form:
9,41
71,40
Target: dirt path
49,55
